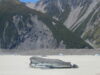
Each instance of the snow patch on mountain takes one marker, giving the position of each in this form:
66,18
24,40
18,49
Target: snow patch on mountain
30,5
54,23
60,6
56,18
62,45
41,7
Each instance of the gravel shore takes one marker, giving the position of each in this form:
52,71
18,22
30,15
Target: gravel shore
53,52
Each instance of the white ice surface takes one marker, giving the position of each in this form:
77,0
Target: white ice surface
19,65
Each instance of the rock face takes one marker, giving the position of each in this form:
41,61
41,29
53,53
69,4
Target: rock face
38,62
28,29
80,16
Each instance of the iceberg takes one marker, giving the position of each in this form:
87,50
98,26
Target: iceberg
40,62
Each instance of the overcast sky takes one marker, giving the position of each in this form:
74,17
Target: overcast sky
29,0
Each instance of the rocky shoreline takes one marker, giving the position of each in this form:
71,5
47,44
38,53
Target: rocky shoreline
52,52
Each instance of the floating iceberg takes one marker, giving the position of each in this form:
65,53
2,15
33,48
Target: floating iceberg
39,62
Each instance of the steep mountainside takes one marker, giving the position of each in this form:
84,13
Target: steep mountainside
80,16
25,28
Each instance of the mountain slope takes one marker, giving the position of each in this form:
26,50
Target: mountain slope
80,16
25,28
